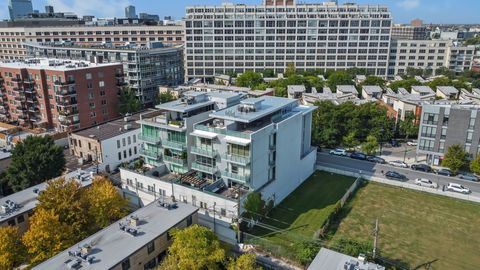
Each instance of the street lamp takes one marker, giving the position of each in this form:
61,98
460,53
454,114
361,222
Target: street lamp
381,139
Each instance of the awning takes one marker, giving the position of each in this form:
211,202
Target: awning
239,141
204,134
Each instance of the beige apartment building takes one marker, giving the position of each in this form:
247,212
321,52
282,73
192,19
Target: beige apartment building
11,38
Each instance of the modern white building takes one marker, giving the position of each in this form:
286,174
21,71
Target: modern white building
109,144
219,155
326,36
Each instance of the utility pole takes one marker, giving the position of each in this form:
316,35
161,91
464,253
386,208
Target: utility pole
375,235
214,223
239,233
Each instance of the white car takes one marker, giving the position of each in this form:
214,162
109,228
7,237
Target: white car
412,143
425,183
458,188
398,163
338,152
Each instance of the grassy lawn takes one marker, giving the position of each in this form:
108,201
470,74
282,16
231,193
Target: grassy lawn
304,210
415,227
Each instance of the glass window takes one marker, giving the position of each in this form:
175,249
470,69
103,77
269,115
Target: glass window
150,247
126,264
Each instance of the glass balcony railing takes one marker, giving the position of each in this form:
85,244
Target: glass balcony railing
151,153
174,160
149,139
174,145
236,177
203,168
203,152
223,131
237,159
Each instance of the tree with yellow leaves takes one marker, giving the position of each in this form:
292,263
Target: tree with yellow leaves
194,248
65,198
47,236
244,262
106,205
11,249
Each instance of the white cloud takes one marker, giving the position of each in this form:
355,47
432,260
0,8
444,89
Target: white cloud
409,4
99,8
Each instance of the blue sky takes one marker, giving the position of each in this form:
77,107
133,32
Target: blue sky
431,11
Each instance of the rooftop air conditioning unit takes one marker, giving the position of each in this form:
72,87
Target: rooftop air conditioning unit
127,126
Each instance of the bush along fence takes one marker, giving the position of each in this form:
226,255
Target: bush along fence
321,233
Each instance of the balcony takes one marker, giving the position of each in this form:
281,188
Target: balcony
174,145
33,109
151,153
240,160
68,122
66,102
65,92
223,131
67,82
30,90
119,75
149,139
174,160
203,152
17,80
67,112
203,168
236,177
31,100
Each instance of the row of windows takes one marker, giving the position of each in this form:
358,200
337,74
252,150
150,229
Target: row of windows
261,23
101,33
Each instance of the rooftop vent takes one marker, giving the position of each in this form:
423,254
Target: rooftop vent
81,254
127,126
130,225
8,207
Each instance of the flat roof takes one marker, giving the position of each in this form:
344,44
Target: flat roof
268,105
422,89
53,64
328,259
370,89
180,105
103,47
26,199
296,88
347,89
447,90
111,245
110,129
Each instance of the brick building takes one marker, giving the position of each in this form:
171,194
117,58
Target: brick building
61,94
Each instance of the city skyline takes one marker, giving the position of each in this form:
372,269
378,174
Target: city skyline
431,11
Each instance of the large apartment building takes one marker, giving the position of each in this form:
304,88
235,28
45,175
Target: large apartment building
218,147
442,126
11,38
429,54
146,67
61,94
236,38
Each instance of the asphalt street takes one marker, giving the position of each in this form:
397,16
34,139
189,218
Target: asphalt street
353,165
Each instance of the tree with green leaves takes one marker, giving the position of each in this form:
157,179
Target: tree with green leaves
407,84
306,251
291,70
475,165
472,41
374,80
244,262
412,72
254,205
249,79
455,158
12,251
349,141
194,248
339,78
165,97
370,146
34,160
268,73
409,127
129,102
445,71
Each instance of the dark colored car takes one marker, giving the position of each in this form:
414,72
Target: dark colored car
395,176
421,167
395,143
376,159
468,176
445,172
357,155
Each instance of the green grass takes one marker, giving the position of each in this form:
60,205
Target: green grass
415,227
304,211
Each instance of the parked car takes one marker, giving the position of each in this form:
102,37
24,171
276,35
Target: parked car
468,176
338,152
376,159
445,172
425,183
458,188
412,143
358,155
395,176
421,167
394,143
398,163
